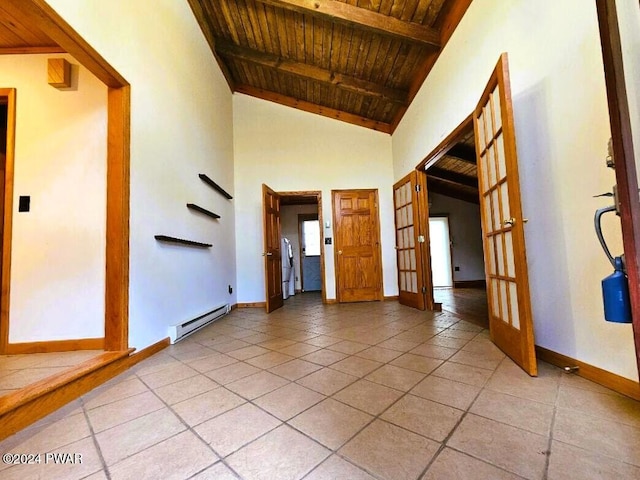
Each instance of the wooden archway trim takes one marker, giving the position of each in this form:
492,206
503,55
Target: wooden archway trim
39,14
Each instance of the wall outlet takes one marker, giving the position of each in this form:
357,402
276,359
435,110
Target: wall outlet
24,203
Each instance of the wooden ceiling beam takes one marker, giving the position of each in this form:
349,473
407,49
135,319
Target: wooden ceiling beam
311,72
313,108
463,152
362,18
452,177
53,49
450,191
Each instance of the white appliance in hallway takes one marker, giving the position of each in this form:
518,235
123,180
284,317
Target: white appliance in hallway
288,272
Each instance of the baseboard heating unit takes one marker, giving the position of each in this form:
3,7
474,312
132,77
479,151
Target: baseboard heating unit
181,330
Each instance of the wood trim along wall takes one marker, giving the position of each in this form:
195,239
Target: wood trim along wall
445,145
146,352
251,304
30,50
623,152
45,18
116,322
7,229
602,377
28,405
331,301
313,108
423,228
470,284
391,298
55,346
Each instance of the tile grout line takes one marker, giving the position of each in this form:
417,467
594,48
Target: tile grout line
193,431
547,461
379,415
444,442
95,440
350,338
326,397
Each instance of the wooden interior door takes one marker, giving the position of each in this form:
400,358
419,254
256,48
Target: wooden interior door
510,318
356,230
272,255
412,287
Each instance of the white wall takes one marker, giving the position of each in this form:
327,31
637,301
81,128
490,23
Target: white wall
58,247
465,233
181,125
292,150
289,227
562,127
629,23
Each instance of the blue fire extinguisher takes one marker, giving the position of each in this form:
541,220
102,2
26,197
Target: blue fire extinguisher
615,287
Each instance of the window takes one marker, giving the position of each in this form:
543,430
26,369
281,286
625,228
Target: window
311,237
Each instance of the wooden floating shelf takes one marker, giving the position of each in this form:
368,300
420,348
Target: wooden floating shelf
182,241
197,208
214,185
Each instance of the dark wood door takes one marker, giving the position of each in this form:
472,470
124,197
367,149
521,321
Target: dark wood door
357,245
272,255
510,318
410,253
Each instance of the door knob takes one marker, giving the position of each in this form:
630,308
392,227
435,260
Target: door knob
339,252
509,222
267,254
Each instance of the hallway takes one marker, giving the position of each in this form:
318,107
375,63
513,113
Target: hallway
468,303
351,391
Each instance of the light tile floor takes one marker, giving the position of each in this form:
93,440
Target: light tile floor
354,391
19,371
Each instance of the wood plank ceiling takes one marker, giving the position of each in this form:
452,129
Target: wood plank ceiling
19,37
456,173
359,61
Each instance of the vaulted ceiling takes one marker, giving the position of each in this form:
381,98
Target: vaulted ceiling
18,36
359,61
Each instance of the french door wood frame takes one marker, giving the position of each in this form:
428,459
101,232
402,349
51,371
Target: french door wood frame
507,286
430,160
412,240
506,270
40,15
624,154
